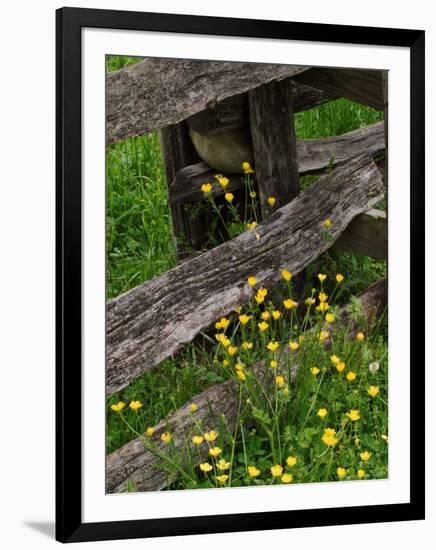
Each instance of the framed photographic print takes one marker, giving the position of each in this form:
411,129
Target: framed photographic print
233,352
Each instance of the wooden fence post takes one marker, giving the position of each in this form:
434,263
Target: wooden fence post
178,152
274,143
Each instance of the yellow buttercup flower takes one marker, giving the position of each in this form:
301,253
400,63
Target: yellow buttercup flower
247,345
222,339
272,346
253,194
206,188
118,407
274,364
246,167
252,225
340,366
271,201
243,319
262,292
322,307
239,366
353,415
206,467
360,473
351,376
251,281
223,181
215,451
259,298
241,375
322,277
327,223
135,405
229,197
365,456
263,326
276,315
334,359
277,470
253,471
265,315
149,431
194,407
323,335
329,437
322,413
287,275
226,362
315,371
210,436
341,472
339,278
322,297
223,465
224,323
231,350
373,390
330,318
294,345
280,381
222,478
310,301
285,390
197,439
166,437
287,478
289,303
291,461
360,336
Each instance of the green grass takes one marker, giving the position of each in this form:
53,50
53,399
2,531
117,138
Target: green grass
140,246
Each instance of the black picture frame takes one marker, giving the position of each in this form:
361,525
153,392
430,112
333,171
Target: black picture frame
69,22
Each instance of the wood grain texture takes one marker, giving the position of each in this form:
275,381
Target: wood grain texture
313,156
232,113
274,144
367,234
150,322
177,152
135,463
158,92
361,85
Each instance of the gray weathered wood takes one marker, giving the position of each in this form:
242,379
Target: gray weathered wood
361,85
274,144
232,113
367,234
313,156
158,92
136,464
150,322
178,152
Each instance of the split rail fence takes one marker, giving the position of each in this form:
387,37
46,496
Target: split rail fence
207,101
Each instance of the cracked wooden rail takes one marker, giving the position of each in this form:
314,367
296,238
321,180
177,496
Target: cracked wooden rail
152,321
136,464
158,92
313,155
